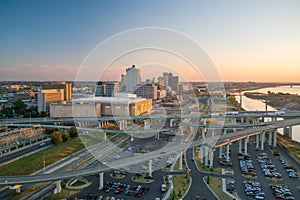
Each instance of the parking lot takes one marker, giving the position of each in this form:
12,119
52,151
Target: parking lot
263,174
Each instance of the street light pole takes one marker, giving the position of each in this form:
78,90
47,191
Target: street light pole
44,165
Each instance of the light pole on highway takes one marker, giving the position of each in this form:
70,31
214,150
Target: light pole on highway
44,165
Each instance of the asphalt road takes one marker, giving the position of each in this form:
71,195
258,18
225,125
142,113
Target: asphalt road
198,187
34,147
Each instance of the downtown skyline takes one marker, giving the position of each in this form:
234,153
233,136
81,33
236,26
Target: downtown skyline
247,41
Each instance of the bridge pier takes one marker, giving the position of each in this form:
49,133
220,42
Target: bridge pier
57,188
240,146
203,133
262,137
270,138
291,132
227,152
242,120
211,158
275,138
150,168
101,177
234,122
18,190
201,154
146,125
171,123
257,141
104,135
246,146
121,125
206,156
220,152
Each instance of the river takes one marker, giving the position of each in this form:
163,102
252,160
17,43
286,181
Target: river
258,105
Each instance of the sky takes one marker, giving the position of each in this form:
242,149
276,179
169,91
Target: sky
246,40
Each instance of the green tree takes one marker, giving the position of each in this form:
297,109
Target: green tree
43,114
65,136
19,107
73,132
56,137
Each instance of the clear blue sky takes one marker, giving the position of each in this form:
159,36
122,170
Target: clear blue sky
253,40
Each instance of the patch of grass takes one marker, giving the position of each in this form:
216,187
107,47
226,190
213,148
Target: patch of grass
63,194
34,162
141,179
118,176
215,185
292,147
79,183
92,138
181,183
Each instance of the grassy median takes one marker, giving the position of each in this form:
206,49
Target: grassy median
34,162
292,146
215,185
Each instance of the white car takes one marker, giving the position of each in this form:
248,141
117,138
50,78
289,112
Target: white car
116,156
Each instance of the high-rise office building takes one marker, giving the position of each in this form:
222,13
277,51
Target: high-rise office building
122,87
173,82
111,88
106,89
133,78
45,97
100,89
148,91
67,87
165,78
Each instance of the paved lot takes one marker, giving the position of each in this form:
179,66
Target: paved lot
292,183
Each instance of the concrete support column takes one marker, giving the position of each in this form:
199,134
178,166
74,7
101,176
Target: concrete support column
234,122
206,156
104,136
203,133
125,123
291,132
150,168
145,125
220,152
211,157
240,146
246,146
262,136
227,152
121,125
18,190
101,180
257,141
275,138
270,138
57,187
171,123
201,155
180,160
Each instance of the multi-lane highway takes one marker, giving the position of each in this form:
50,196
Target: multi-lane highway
8,157
168,149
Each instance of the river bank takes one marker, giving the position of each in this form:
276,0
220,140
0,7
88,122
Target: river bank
283,101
